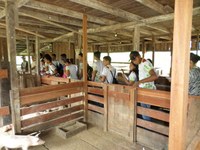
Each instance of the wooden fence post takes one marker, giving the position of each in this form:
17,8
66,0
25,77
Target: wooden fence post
105,93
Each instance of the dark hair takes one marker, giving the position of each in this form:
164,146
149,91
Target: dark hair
134,54
97,54
135,70
194,58
67,61
48,57
80,54
108,58
63,56
54,55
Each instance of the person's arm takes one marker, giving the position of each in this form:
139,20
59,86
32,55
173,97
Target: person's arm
130,83
67,72
103,78
151,78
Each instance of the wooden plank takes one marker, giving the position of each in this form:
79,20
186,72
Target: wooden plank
41,97
56,79
53,123
96,108
155,101
4,111
180,74
49,105
96,84
153,113
43,89
154,93
50,116
153,126
136,39
37,61
3,73
105,90
95,90
119,95
95,98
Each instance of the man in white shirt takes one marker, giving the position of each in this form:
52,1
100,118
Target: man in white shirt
97,67
108,72
147,75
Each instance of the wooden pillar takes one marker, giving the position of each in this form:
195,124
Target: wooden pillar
144,48
136,39
154,48
4,82
28,51
10,6
197,43
180,74
85,46
37,59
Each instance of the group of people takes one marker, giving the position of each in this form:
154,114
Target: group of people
141,71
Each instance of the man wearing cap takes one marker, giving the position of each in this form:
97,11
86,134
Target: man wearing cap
147,75
194,76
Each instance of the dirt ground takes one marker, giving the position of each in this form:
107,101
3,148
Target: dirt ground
92,139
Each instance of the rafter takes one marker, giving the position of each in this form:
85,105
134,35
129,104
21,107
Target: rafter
66,12
20,3
154,5
111,10
23,30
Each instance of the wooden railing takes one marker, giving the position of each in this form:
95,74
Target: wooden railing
3,73
159,102
48,106
4,111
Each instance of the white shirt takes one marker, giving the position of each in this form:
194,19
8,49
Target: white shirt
132,77
106,72
144,69
98,66
73,71
51,69
56,63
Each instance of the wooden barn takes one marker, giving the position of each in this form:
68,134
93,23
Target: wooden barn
31,27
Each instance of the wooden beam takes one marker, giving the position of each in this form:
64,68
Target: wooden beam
85,49
37,59
111,10
136,39
28,52
66,12
49,22
11,45
108,9
23,30
153,5
130,25
180,74
3,73
19,4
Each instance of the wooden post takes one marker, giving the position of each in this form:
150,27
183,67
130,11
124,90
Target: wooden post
197,43
144,48
133,115
105,94
136,39
154,48
5,81
29,59
37,59
11,45
180,74
85,46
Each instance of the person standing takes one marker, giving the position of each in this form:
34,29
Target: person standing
108,72
147,75
24,65
194,75
97,67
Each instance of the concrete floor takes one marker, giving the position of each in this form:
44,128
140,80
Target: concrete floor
92,139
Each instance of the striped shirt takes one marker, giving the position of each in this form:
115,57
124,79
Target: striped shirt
194,81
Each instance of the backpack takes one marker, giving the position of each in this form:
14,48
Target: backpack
89,72
59,68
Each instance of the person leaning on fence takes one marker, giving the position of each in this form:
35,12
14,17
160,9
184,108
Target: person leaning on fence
97,67
50,67
194,76
147,75
132,77
108,72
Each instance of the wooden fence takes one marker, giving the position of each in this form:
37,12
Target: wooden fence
48,106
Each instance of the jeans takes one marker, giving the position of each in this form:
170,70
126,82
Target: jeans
146,106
